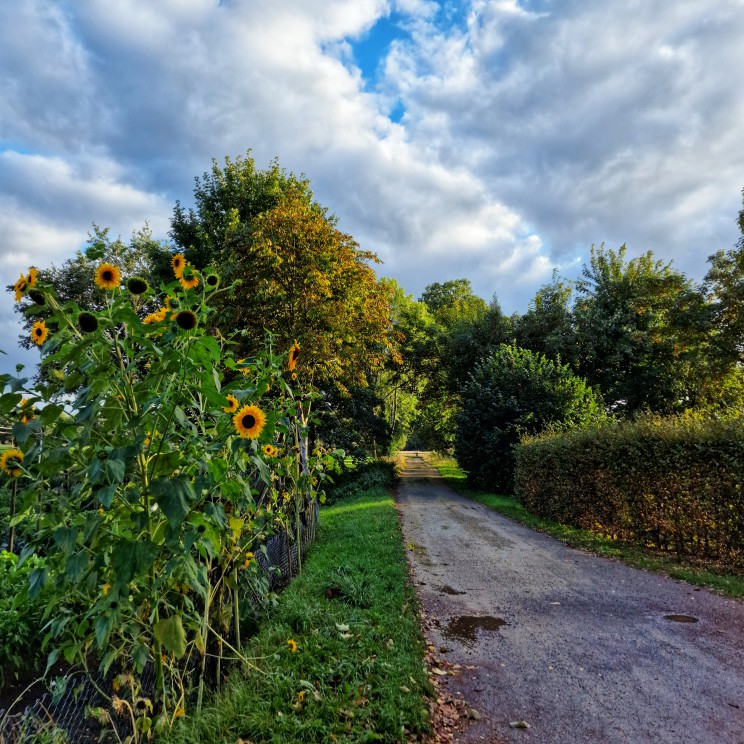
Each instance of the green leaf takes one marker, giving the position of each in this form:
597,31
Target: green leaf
145,553
75,566
65,538
103,628
174,496
171,634
105,495
36,581
9,401
50,413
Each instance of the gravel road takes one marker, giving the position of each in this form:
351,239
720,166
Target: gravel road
583,649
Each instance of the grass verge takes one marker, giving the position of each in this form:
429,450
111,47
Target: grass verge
728,584
358,673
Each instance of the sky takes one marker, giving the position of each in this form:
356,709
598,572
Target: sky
493,140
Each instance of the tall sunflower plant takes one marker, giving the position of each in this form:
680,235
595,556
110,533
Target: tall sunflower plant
154,470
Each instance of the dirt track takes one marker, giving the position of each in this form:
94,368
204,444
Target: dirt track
585,653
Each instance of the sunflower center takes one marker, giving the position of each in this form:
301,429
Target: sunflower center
248,421
107,275
295,355
38,331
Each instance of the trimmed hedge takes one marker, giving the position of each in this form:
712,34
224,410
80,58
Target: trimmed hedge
670,483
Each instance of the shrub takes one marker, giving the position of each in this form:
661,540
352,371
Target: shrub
363,477
670,483
513,392
19,621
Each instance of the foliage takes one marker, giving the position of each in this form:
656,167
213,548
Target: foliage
511,393
353,421
363,477
302,278
19,621
452,303
357,674
674,484
154,486
641,332
725,284
547,327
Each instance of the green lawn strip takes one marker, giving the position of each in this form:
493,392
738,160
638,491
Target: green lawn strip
731,585
359,659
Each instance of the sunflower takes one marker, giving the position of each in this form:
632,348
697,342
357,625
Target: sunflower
189,278
137,285
157,317
10,461
108,276
292,645
249,421
186,320
178,262
232,404
211,281
39,332
87,322
28,412
20,287
294,355
270,451
32,276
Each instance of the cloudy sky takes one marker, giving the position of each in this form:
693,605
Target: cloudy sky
486,139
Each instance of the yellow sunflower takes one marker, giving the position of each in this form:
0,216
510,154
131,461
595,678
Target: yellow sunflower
270,450
157,317
10,462
189,279
39,332
108,276
178,262
292,645
32,276
232,404
20,287
249,421
294,355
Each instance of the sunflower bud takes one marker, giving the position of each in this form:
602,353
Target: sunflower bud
137,285
87,322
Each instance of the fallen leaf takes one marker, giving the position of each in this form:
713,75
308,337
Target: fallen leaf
473,713
440,672
519,724
342,628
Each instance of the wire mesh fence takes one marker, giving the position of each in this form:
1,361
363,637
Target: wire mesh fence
62,714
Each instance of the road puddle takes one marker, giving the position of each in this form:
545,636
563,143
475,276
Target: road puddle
465,628
681,618
449,590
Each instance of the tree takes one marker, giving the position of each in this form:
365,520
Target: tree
724,284
453,303
547,327
511,393
291,271
641,332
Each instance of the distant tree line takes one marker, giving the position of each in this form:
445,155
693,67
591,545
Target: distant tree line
387,370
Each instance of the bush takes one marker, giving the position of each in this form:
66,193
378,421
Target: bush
669,483
19,625
511,393
363,477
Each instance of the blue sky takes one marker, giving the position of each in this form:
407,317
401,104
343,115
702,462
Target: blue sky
486,139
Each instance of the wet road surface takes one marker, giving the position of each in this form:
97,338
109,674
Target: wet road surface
584,649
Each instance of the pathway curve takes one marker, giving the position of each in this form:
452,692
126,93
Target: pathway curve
585,653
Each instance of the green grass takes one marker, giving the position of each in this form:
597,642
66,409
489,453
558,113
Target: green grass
359,661
731,585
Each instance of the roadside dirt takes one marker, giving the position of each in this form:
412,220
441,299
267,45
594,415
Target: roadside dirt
551,645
